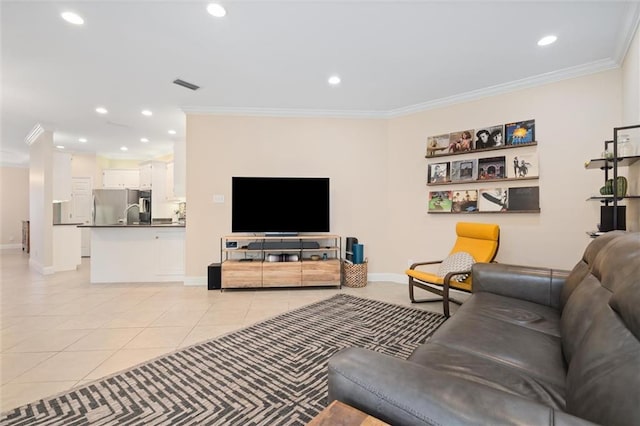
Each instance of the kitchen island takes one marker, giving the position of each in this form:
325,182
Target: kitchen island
137,253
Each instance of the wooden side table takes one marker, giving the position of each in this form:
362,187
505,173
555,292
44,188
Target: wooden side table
340,414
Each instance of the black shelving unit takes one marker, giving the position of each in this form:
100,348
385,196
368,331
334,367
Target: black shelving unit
612,164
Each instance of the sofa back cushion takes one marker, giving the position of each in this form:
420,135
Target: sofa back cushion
600,336
583,267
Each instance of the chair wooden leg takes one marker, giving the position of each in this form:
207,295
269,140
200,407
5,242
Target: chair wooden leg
445,303
414,300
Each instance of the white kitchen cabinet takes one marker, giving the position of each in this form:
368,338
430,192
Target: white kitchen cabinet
120,178
153,176
137,254
81,210
61,176
169,184
169,252
66,247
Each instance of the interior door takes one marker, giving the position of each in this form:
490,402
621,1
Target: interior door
81,205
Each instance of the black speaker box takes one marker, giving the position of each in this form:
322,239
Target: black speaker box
606,218
214,281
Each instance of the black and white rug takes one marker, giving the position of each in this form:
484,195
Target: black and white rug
271,373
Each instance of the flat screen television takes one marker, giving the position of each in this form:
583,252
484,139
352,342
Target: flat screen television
279,205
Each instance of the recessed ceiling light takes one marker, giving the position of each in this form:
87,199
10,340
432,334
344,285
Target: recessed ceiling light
59,146
172,132
147,112
144,140
83,140
101,110
547,40
216,10
334,80
72,18
124,148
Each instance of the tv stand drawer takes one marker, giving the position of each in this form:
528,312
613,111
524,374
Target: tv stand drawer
236,274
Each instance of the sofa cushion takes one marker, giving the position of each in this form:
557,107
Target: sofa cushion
533,352
604,353
486,371
516,311
612,268
583,267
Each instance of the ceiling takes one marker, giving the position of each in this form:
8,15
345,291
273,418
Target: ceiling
274,57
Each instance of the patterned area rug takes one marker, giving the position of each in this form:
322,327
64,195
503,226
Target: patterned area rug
271,373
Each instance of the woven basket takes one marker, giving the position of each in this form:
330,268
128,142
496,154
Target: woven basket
355,275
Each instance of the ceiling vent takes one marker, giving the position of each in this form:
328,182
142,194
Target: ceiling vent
185,84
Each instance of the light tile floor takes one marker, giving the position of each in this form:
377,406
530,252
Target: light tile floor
61,331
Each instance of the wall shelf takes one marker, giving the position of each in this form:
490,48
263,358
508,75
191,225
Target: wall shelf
462,182
498,148
601,163
489,212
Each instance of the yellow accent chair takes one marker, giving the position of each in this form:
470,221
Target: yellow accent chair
480,240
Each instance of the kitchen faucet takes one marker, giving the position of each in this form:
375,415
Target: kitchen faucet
126,212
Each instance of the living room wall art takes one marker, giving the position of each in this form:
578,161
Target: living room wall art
480,163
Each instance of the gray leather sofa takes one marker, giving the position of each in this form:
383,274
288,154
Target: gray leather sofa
531,346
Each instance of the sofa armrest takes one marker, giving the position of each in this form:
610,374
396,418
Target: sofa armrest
403,393
538,285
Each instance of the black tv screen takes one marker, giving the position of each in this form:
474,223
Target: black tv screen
279,204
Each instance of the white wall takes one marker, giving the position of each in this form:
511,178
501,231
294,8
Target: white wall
351,152
378,173
631,83
631,116
573,118
40,202
14,199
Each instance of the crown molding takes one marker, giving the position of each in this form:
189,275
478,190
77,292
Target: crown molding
627,32
538,80
283,112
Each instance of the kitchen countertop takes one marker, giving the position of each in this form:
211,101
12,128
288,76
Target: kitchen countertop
142,225
67,224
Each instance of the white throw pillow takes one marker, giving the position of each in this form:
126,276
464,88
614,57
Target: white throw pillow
460,261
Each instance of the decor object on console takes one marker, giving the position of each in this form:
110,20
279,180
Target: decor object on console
531,346
480,240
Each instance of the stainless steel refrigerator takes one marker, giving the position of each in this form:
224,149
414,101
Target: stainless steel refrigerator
110,206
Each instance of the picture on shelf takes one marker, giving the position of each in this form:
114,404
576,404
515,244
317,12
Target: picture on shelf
465,201
520,132
438,173
437,145
489,137
522,165
491,168
526,198
464,170
461,141
439,201
493,200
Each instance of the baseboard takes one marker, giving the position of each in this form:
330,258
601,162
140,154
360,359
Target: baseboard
44,270
195,281
394,278
10,246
